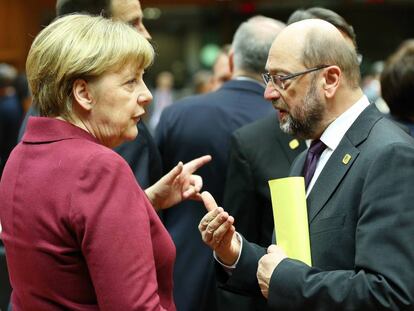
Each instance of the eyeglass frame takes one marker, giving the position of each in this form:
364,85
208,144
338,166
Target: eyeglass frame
267,77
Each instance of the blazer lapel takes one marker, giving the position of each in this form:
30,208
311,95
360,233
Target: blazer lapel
341,160
284,141
334,171
297,165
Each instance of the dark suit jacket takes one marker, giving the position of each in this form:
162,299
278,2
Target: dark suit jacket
259,152
79,233
361,223
190,128
141,154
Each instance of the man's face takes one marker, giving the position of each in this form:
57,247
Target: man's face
301,106
221,71
303,120
129,11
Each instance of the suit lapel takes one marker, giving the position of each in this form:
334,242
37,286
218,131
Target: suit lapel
334,171
340,161
297,166
284,139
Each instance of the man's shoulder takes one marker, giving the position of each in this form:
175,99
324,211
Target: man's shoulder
259,127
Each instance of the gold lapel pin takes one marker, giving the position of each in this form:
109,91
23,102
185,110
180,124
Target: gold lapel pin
293,144
346,158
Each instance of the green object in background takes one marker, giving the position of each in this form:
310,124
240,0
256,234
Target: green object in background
208,54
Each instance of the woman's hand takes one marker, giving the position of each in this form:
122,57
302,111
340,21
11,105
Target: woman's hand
178,185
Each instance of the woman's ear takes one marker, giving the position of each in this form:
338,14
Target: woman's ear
82,94
332,77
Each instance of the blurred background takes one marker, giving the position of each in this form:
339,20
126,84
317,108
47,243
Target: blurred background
189,33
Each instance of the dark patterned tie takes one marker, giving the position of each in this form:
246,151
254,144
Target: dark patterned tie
315,150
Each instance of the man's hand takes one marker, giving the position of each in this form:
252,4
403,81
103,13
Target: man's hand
218,232
178,185
267,264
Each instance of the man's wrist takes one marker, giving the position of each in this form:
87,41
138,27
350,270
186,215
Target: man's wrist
230,261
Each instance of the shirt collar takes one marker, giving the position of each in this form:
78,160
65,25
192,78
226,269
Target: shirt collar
334,133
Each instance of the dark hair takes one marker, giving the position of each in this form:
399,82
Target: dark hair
327,15
397,81
91,7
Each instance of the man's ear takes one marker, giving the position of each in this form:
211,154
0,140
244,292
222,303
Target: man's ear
332,77
82,94
231,61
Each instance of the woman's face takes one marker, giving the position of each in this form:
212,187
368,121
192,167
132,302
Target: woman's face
119,100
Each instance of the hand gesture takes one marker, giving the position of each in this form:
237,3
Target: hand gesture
218,232
178,185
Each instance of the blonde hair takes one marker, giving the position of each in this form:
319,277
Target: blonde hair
79,47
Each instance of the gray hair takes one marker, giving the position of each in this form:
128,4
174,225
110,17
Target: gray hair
320,49
252,42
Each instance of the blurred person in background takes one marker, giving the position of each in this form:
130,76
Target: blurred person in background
141,154
371,86
204,123
202,81
397,84
221,68
11,112
22,91
79,232
163,96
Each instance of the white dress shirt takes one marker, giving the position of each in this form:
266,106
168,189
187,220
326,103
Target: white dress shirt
334,133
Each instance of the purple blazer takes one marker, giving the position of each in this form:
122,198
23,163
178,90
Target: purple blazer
79,232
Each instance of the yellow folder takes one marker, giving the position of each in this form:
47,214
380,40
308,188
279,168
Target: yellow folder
291,217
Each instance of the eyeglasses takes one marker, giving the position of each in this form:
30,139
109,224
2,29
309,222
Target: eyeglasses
278,81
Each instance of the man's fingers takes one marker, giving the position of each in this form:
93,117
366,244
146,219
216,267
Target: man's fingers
223,233
228,236
208,201
217,226
272,248
205,221
195,164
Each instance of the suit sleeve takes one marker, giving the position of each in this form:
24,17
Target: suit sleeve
243,279
383,276
110,216
240,199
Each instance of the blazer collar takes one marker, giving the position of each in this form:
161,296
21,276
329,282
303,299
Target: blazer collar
244,85
341,160
44,130
336,168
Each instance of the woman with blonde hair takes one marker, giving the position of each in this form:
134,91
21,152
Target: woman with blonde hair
79,232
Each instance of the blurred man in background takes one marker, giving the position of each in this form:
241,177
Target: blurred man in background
397,84
204,123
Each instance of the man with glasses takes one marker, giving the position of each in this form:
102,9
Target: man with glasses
261,151
359,196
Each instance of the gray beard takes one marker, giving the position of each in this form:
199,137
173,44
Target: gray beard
312,112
